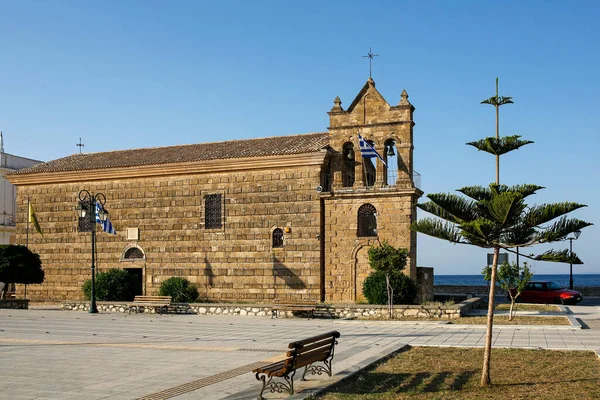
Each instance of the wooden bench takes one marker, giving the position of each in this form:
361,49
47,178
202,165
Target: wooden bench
303,353
293,305
160,303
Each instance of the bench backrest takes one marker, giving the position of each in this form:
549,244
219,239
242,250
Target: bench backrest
308,351
152,299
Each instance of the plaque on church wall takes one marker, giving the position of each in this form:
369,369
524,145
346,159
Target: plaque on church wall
133,233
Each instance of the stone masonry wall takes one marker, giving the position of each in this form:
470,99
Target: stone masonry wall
235,263
346,262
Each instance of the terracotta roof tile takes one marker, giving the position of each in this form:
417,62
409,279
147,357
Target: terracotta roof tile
271,146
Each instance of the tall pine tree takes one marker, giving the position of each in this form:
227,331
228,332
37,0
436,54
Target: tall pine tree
497,217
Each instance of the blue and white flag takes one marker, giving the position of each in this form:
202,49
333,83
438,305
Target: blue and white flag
106,225
98,208
367,151
108,228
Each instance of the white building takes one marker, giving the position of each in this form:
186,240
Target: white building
8,193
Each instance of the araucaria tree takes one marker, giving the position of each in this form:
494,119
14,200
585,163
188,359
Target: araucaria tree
497,217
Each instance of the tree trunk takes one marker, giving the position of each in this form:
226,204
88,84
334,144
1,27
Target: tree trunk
485,372
389,289
3,291
512,306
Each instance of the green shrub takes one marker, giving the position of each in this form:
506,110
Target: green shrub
180,290
112,285
375,290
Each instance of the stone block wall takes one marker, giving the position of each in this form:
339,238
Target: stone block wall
346,262
235,263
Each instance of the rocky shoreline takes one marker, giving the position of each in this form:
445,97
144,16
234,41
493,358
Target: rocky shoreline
587,291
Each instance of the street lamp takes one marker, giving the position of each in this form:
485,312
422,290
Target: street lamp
576,233
87,207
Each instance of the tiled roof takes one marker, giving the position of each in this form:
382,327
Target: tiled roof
271,146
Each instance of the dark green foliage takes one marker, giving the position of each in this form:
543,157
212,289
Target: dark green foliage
499,146
180,290
112,285
18,264
375,290
387,258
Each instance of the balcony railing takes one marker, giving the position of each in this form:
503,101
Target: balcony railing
348,180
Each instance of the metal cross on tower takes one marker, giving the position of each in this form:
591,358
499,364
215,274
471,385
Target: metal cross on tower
80,145
370,56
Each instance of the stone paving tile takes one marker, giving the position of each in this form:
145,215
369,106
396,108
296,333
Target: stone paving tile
125,357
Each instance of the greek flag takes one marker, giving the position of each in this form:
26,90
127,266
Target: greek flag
106,225
367,151
98,208
108,228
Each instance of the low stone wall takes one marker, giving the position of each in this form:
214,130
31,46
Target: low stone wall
16,304
348,311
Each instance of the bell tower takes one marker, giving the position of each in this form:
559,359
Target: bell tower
368,200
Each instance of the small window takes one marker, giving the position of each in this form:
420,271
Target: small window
277,238
212,211
133,254
367,220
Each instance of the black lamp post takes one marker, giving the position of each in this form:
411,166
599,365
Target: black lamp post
576,233
87,208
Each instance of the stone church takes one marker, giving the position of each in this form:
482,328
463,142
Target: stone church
244,220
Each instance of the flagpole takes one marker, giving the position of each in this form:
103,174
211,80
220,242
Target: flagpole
27,236
364,168
27,224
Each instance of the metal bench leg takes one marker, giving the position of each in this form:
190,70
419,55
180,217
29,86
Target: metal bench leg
279,387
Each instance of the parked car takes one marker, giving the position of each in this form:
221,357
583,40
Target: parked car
547,292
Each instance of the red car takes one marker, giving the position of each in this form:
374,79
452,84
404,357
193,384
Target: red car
547,292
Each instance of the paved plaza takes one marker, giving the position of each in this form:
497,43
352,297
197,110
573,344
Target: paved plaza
52,354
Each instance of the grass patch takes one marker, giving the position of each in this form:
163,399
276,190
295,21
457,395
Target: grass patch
521,307
454,373
518,320
528,307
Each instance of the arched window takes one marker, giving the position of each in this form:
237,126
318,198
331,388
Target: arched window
348,165
277,238
367,220
391,159
133,253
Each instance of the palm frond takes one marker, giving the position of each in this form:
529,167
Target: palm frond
560,229
457,206
538,215
438,211
437,228
499,146
562,256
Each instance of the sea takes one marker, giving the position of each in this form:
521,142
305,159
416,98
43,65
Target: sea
477,280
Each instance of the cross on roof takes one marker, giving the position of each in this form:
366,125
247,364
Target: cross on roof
370,56
80,145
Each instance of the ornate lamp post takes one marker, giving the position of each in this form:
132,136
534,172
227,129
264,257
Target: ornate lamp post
87,207
576,233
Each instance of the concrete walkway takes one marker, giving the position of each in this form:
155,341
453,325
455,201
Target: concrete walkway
50,354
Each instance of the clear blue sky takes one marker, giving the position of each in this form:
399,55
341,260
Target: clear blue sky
127,74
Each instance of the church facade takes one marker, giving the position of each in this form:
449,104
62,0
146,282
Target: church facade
243,220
